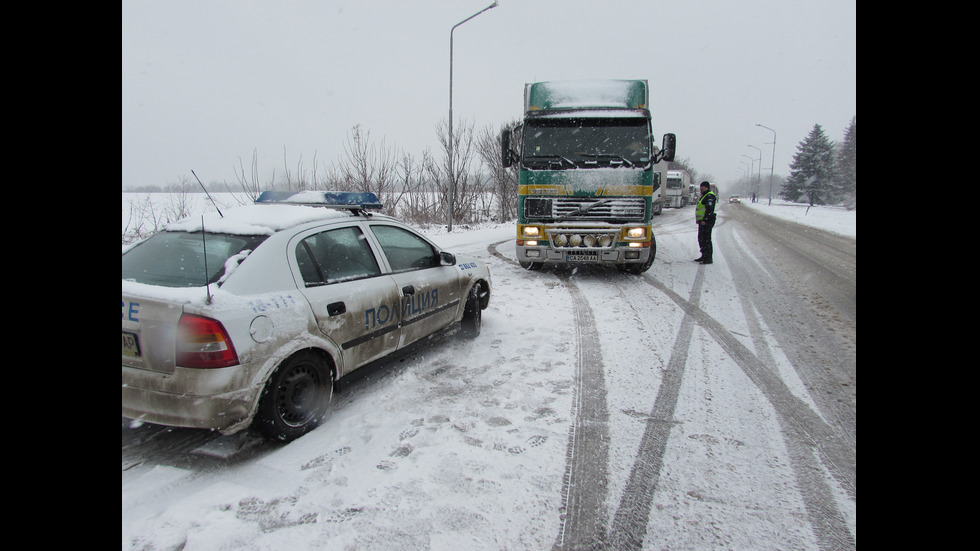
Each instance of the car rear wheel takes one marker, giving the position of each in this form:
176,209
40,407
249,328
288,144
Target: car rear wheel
295,398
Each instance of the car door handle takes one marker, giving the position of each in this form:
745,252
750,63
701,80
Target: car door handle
408,290
336,308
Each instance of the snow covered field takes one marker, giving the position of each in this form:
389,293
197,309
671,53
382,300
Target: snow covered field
835,219
463,446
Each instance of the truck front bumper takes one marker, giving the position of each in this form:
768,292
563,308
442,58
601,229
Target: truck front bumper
550,255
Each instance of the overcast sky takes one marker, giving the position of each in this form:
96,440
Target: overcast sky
207,83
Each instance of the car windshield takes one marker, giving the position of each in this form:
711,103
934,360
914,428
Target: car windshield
176,259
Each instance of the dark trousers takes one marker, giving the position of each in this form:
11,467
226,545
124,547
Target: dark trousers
704,240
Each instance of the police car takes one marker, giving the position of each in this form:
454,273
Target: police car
251,316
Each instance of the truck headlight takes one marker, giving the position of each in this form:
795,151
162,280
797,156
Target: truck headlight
636,233
529,232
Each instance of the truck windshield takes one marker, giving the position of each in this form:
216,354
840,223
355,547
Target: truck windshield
587,143
673,183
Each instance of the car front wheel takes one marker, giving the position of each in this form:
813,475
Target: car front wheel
472,314
295,398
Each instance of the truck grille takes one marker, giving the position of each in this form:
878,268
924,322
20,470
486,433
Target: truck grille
581,208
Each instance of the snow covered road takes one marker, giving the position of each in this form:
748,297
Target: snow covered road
691,407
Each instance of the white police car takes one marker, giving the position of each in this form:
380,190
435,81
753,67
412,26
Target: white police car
255,313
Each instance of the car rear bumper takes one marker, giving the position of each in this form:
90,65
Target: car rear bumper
225,412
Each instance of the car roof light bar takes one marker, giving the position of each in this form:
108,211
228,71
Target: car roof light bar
333,199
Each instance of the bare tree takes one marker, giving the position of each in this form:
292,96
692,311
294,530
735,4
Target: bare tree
252,188
466,184
331,180
420,199
502,187
299,181
369,167
178,200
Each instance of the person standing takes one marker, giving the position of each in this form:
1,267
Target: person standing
705,216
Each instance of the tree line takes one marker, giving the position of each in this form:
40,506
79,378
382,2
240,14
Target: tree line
417,188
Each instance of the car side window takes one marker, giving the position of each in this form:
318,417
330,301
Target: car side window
405,250
334,256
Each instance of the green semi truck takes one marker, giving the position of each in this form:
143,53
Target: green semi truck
585,155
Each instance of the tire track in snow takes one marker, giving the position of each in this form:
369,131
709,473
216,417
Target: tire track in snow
584,489
585,485
806,436
633,513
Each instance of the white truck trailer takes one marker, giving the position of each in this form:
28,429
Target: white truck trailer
677,191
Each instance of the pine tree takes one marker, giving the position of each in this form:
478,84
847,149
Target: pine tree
846,166
812,171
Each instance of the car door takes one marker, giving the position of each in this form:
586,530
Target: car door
430,294
355,304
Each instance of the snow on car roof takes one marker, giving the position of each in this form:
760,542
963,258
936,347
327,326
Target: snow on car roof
256,219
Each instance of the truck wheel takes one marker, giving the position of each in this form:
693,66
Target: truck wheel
295,398
472,315
531,265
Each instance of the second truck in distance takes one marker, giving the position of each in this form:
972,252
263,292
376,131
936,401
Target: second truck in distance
678,189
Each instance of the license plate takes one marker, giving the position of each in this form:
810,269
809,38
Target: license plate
582,257
130,344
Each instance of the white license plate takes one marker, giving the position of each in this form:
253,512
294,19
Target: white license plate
582,257
130,344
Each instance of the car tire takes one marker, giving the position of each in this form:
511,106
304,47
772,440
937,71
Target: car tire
295,397
472,314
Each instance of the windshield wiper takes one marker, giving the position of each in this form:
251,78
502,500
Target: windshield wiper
550,160
610,157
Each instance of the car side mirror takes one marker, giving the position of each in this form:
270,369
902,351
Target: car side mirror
447,259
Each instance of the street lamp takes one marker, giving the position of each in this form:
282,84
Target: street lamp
746,170
759,179
772,164
452,176
748,175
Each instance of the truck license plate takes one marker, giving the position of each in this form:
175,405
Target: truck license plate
130,344
582,257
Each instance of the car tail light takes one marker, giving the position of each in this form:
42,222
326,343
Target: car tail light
204,343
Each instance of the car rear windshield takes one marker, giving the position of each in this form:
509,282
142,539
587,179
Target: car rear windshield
176,259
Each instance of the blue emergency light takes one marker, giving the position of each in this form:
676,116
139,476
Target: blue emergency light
333,199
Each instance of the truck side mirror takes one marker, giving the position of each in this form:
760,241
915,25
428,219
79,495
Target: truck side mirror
670,145
506,158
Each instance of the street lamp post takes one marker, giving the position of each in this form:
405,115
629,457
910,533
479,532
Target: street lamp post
772,164
748,175
759,179
452,175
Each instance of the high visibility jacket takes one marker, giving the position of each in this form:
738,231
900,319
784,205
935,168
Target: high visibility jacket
706,207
